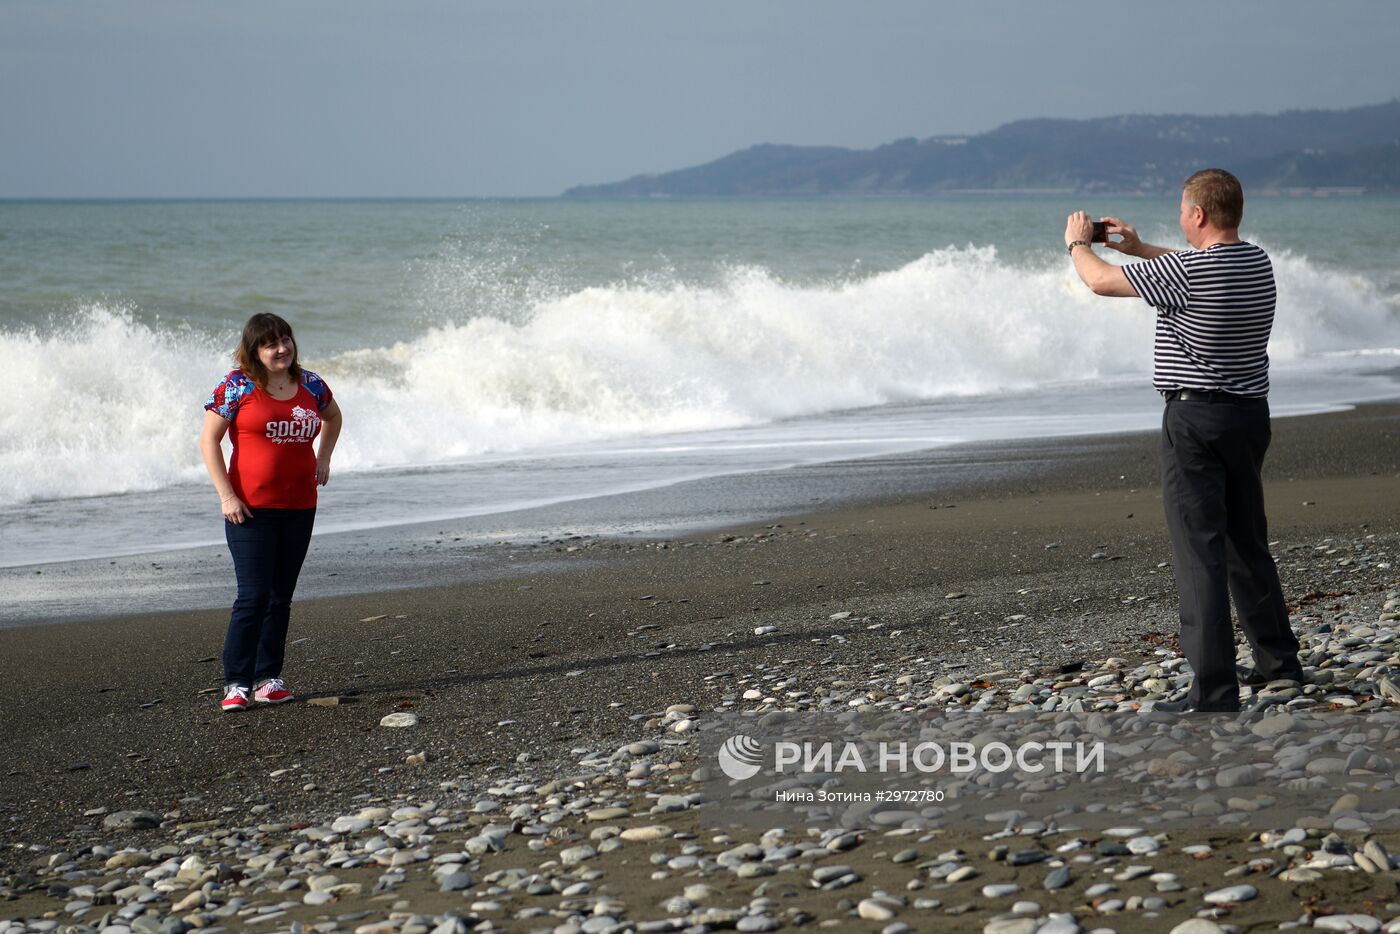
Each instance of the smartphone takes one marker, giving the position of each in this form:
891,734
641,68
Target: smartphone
1100,232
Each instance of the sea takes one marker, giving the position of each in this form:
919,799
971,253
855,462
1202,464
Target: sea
498,356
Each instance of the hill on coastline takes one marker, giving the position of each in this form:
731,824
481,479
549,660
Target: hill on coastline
1356,149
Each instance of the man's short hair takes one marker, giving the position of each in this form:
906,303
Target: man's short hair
1219,195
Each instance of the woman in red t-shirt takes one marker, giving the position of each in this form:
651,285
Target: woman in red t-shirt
271,409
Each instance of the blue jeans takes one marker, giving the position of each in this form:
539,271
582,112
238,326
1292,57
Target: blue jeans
267,552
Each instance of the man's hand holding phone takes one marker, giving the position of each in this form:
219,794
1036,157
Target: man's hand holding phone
1129,242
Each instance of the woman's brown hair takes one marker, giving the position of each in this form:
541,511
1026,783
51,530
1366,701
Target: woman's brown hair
264,328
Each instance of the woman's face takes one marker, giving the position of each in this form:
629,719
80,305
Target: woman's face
277,355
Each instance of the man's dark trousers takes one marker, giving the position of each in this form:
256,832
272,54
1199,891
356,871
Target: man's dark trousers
1212,451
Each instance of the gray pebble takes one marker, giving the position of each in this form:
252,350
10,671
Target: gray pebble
1235,893
455,882
825,874
130,820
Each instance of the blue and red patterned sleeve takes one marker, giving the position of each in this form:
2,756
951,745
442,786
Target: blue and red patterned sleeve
318,388
229,395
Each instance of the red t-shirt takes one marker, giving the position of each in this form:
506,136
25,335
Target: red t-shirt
274,462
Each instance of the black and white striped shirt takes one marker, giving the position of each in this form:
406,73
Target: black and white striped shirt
1215,309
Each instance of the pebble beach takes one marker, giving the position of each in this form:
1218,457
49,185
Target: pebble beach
519,753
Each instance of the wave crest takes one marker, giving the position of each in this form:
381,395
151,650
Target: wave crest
107,404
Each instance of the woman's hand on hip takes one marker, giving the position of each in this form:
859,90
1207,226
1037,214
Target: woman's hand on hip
234,510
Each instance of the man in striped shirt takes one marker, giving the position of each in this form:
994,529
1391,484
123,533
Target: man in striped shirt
1215,309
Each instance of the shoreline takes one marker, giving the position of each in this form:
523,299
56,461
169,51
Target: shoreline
445,553
527,680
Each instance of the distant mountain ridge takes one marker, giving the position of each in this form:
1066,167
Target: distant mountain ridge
1358,148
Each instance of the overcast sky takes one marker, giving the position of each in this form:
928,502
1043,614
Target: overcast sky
190,98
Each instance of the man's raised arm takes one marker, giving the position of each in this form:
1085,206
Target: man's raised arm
1131,243
1103,278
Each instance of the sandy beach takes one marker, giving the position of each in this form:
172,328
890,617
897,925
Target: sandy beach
1039,558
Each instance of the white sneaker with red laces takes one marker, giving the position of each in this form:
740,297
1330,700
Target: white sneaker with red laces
272,691
235,699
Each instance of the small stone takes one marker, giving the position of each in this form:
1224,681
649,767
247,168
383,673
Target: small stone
1289,837
1026,857
1058,878
129,860
646,834
1347,923
572,856
1301,874
1000,890
606,814
400,720
739,854
757,923
754,870
1238,775
131,820
1198,926
821,875
1232,895
455,882
962,874
873,910
193,900
322,883
350,825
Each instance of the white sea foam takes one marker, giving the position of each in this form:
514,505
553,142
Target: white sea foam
102,403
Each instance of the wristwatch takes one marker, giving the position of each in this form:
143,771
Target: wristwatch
1070,248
